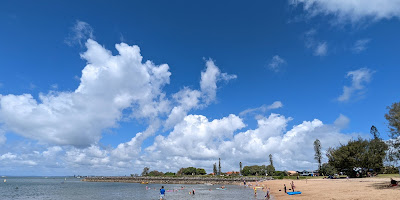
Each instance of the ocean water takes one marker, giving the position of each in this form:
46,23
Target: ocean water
72,188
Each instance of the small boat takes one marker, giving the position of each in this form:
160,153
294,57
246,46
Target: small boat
144,183
5,180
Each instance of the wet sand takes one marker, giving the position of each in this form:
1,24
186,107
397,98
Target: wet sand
358,188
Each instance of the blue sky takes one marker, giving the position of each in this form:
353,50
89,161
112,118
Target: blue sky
241,81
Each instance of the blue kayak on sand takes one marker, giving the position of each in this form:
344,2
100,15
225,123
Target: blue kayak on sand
293,193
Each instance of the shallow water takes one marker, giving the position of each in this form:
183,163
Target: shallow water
73,188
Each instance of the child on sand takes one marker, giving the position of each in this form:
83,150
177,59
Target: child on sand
293,187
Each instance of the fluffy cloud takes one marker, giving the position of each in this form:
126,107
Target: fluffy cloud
197,141
209,79
352,10
188,99
109,85
10,159
276,63
360,45
7,156
359,78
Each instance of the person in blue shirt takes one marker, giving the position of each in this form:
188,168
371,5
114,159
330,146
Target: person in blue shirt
162,193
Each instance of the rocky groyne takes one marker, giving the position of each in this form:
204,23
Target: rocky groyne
175,180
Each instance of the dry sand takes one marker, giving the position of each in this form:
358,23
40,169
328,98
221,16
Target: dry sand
360,188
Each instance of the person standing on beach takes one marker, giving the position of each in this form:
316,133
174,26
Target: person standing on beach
284,187
293,187
162,193
268,195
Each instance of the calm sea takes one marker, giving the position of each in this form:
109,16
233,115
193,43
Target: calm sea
72,188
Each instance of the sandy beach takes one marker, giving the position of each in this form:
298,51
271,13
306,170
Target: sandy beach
365,188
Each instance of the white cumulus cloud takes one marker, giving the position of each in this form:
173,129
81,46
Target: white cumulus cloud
109,85
199,142
209,79
188,99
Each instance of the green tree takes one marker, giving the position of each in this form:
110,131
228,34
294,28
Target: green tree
219,167
200,171
361,153
270,170
241,168
215,169
393,117
189,171
376,153
180,171
347,157
318,153
254,170
374,132
270,160
145,171
155,173
327,169
169,174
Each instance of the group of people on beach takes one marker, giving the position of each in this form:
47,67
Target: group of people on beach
267,194
291,185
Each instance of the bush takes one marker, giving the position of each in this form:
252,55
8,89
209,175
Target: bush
155,173
390,170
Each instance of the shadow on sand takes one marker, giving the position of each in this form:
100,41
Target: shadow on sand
384,185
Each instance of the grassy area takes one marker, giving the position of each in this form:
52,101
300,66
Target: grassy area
388,176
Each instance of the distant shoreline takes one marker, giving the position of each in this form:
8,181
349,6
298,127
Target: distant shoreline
175,180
